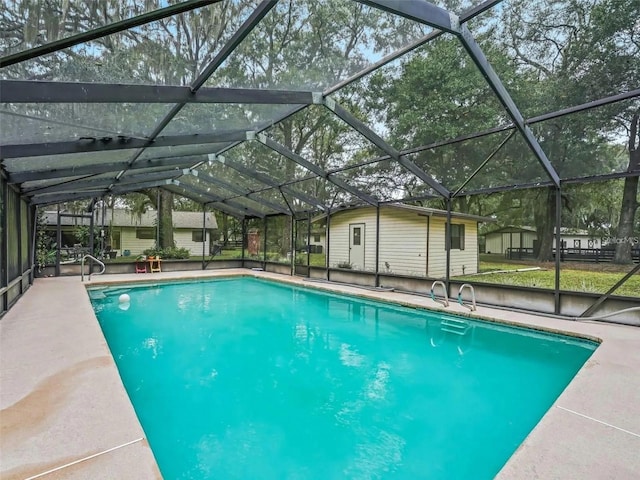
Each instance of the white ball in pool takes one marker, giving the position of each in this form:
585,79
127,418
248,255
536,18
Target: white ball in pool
124,298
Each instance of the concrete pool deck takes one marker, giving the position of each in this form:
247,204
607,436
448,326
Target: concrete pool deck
65,413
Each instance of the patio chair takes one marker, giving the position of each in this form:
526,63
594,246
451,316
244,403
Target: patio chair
141,265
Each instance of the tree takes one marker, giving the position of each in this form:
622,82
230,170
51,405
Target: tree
578,51
439,94
170,51
549,54
311,46
629,204
162,201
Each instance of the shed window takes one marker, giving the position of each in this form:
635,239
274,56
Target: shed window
357,235
146,233
196,236
457,236
316,238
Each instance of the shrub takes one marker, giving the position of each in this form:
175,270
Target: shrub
345,264
46,248
169,252
152,251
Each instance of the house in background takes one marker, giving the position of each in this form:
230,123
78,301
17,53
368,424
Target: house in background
576,238
500,240
522,241
128,233
411,240
317,240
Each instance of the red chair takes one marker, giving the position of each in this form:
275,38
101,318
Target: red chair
141,265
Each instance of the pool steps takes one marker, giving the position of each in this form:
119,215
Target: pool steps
455,326
96,295
100,293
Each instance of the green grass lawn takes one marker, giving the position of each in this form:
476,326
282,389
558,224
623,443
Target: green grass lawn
228,254
585,277
316,259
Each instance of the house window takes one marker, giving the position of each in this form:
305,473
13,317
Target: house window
316,238
196,236
457,236
146,233
576,243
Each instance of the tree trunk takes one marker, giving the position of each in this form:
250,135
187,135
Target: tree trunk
286,236
290,170
629,198
545,221
165,219
625,225
225,229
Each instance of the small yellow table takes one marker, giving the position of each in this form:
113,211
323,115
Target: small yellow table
155,264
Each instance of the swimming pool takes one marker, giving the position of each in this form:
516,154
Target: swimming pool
244,378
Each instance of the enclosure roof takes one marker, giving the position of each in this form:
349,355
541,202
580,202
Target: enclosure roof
267,107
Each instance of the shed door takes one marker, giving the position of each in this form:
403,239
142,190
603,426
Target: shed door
356,246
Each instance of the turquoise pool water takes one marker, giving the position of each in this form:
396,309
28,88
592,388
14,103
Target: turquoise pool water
248,379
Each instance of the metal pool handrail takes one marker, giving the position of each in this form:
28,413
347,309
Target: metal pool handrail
471,307
90,273
445,302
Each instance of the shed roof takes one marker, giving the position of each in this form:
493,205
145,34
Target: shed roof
512,229
425,211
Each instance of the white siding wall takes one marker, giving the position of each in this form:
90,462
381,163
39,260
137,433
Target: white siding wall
528,238
339,236
437,255
183,238
494,243
584,241
322,242
136,246
510,240
462,261
403,242
499,242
